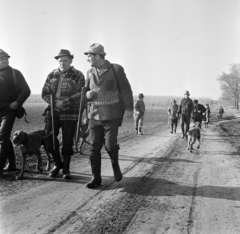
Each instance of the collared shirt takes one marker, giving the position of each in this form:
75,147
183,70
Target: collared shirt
70,91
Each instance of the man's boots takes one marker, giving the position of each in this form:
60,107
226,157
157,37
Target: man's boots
171,128
140,131
66,163
175,129
95,160
136,130
115,165
58,164
3,155
11,166
183,135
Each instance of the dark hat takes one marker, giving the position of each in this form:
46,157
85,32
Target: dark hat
196,101
140,95
96,49
64,53
3,54
187,93
174,100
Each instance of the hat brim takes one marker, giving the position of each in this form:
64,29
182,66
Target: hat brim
90,52
58,56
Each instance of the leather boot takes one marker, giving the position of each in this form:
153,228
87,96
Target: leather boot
11,166
66,164
175,129
115,165
3,156
136,130
140,131
58,164
95,159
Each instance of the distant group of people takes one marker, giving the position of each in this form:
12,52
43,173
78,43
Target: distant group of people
185,111
107,91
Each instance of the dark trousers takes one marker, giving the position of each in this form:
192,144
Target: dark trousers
7,118
68,131
103,133
185,123
173,123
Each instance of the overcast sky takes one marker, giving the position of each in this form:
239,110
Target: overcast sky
165,46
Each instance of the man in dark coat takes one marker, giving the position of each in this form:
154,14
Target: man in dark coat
14,91
185,109
198,111
107,90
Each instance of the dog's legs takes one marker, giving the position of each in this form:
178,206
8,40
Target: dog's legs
198,139
20,176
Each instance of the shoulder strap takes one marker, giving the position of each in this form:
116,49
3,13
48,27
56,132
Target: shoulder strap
115,74
14,78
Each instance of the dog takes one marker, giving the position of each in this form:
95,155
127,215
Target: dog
30,145
194,134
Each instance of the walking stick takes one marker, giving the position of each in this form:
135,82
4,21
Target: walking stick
52,115
79,123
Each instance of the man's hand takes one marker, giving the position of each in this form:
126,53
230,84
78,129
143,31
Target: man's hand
13,105
60,105
129,113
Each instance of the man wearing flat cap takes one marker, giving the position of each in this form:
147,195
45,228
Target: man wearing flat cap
198,111
64,84
185,109
109,94
14,91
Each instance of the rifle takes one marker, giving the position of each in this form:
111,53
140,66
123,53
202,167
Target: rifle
52,115
79,123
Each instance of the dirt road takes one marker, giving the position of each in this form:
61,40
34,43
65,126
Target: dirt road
165,189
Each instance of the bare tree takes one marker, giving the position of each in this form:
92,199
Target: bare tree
230,84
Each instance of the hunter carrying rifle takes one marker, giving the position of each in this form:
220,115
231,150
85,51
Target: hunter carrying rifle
64,84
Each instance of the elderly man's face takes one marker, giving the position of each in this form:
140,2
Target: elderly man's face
64,63
4,62
186,96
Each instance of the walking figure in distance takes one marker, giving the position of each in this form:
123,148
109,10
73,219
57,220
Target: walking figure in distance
139,110
173,116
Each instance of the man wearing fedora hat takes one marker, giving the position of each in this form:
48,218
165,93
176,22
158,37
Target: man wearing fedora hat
64,84
108,90
139,110
14,91
185,109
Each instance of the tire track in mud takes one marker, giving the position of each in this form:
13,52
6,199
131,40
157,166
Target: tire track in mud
117,204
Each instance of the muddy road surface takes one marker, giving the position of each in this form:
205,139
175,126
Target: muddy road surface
165,189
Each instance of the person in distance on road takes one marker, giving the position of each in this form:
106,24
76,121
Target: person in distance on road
64,84
173,116
14,91
185,110
139,110
221,111
198,111
109,94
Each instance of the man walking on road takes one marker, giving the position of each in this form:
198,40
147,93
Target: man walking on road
139,110
65,85
185,109
108,90
198,111
14,91
173,116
